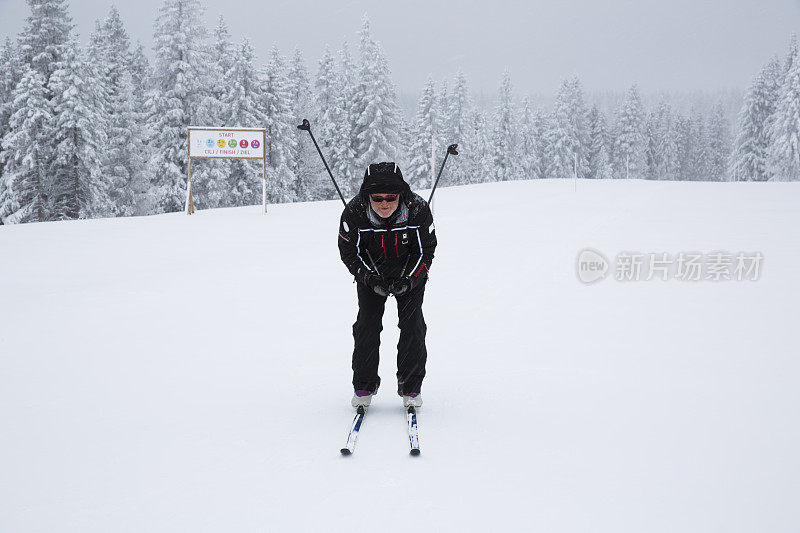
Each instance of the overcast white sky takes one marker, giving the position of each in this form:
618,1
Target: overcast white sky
661,45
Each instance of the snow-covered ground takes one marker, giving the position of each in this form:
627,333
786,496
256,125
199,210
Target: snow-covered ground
177,373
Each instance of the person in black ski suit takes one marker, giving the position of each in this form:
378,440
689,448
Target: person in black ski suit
387,241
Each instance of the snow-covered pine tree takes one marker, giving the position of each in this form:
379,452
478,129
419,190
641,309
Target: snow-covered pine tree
749,160
540,128
242,95
719,143
686,140
97,62
424,133
630,142
569,135
329,112
43,44
242,106
663,148
307,175
783,155
45,38
211,110
25,152
223,55
79,189
281,136
347,167
598,162
10,73
179,82
140,74
701,157
377,116
110,67
140,78
458,128
331,123
504,135
529,156
443,140
213,184
405,141
791,55
650,150
483,164
442,101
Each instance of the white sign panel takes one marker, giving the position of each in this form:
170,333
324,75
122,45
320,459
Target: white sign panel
230,143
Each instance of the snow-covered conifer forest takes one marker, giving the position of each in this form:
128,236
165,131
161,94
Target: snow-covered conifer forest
100,130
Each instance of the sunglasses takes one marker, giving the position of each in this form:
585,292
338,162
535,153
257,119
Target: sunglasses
389,198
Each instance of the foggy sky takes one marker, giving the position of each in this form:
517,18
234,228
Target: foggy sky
677,45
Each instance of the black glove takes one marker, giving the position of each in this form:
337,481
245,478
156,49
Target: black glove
400,287
375,283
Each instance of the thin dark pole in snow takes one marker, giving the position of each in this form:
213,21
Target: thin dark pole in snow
575,171
306,126
452,149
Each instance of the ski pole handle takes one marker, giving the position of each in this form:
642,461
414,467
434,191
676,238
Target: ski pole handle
452,149
306,126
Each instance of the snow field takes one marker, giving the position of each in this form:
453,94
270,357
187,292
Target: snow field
175,373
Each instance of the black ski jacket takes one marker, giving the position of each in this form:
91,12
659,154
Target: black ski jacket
400,246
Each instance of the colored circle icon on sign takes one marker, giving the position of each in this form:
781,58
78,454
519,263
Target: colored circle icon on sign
221,143
243,143
232,143
255,144
210,143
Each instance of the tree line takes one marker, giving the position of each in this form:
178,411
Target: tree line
99,130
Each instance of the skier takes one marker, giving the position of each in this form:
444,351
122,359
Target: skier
387,241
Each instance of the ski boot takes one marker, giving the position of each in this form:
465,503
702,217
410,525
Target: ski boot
412,399
362,398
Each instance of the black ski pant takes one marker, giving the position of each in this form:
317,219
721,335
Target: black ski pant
411,352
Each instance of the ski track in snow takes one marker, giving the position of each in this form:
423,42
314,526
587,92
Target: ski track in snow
175,373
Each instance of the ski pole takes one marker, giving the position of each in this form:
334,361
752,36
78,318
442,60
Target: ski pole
372,261
306,126
452,149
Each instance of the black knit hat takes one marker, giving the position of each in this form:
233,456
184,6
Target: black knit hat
384,178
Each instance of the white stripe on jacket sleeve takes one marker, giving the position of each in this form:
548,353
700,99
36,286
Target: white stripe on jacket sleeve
358,252
419,240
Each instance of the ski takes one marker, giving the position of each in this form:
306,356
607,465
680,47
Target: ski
413,430
354,429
